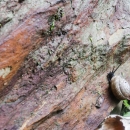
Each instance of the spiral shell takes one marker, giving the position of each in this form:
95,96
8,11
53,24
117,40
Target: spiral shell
120,88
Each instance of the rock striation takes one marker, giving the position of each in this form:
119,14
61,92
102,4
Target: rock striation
54,58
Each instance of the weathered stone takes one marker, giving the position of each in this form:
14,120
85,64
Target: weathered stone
116,37
54,58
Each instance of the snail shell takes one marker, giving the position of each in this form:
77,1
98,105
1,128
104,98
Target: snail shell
120,88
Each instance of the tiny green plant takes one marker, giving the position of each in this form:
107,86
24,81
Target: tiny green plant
126,104
125,111
52,25
53,18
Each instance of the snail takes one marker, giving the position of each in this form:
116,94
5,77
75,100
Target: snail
119,86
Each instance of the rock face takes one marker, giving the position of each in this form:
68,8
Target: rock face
54,58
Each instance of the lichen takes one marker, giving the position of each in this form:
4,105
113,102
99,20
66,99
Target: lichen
5,71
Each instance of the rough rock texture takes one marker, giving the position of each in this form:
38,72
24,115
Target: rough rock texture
54,58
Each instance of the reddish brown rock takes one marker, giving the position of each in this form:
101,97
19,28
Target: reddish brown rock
53,64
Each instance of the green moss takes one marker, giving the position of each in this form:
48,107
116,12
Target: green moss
53,18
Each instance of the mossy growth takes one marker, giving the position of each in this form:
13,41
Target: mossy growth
52,20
